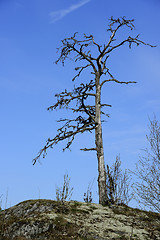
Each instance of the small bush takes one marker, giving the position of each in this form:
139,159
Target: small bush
65,192
118,184
88,195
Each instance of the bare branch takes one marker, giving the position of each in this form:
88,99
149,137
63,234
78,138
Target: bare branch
120,21
73,45
88,149
117,81
65,98
130,41
114,26
81,69
90,113
112,79
85,56
104,64
106,105
63,134
93,41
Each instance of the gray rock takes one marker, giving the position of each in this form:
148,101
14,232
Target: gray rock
47,219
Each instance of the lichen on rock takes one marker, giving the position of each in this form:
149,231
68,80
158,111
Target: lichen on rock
48,219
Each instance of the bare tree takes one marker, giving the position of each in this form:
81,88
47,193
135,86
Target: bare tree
147,188
118,184
94,57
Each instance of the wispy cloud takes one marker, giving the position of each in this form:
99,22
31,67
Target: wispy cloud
57,15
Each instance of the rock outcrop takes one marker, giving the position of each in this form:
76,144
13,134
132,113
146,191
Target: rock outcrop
47,219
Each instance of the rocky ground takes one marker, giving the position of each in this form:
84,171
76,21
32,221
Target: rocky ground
47,219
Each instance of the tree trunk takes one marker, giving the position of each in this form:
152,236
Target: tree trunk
99,146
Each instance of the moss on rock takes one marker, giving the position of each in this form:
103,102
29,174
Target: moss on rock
47,219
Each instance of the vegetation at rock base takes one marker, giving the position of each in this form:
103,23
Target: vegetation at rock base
48,219
65,192
118,184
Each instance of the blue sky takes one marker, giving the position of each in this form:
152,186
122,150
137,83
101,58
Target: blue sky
30,32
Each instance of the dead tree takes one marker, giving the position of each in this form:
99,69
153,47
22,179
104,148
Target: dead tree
94,57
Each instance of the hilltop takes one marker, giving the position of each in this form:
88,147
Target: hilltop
48,219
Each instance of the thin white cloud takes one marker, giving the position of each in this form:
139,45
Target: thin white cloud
57,15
